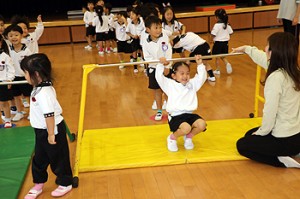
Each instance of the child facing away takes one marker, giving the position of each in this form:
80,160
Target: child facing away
88,17
51,145
101,23
7,74
196,46
111,33
123,40
18,51
277,141
221,35
30,39
170,23
157,45
182,101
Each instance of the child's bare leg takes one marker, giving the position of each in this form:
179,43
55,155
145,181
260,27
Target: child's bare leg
197,127
209,71
158,98
228,65
183,129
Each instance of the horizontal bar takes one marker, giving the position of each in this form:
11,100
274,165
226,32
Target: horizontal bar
14,82
157,61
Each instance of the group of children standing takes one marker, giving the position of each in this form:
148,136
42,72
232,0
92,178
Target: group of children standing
16,42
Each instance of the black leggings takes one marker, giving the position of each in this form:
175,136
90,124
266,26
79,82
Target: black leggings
57,156
288,27
266,149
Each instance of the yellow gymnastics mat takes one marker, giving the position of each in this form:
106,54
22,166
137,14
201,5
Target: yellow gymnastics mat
143,146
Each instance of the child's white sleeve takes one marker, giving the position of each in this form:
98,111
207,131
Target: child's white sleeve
160,78
200,77
11,69
39,30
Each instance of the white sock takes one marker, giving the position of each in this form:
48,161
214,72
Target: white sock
7,119
288,162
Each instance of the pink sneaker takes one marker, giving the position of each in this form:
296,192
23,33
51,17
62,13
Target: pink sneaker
61,190
7,125
32,194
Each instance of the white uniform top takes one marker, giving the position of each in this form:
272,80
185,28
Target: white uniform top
31,40
144,35
120,31
7,69
287,9
189,41
176,27
101,28
17,57
153,50
136,29
181,98
45,103
281,113
220,33
110,19
88,17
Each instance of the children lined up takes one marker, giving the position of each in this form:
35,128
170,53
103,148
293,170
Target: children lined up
20,43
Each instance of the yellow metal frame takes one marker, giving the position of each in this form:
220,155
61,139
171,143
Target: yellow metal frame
90,67
86,70
257,97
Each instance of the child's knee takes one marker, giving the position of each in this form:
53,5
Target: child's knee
200,124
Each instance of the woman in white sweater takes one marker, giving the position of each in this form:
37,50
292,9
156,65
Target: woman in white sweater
277,141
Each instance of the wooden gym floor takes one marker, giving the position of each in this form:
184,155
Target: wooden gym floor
120,98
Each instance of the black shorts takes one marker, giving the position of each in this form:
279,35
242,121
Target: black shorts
21,89
177,50
102,36
90,30
135,45
124,47
203,49
220,47
5,93
152,80
176,121
111,35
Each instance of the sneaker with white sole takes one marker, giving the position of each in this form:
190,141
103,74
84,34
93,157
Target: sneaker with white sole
101,52
13,110
135,70
172,144
88,47
121,66
154,106
212,79
115,50
188,143
33,193
217,72
158,116
228,68
17,117
25,103
61,191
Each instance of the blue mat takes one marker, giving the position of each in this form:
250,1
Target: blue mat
16,148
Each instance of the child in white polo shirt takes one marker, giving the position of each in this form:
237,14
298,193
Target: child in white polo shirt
51,145
156,46
221,33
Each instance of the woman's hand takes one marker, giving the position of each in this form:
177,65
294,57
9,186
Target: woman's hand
240,49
